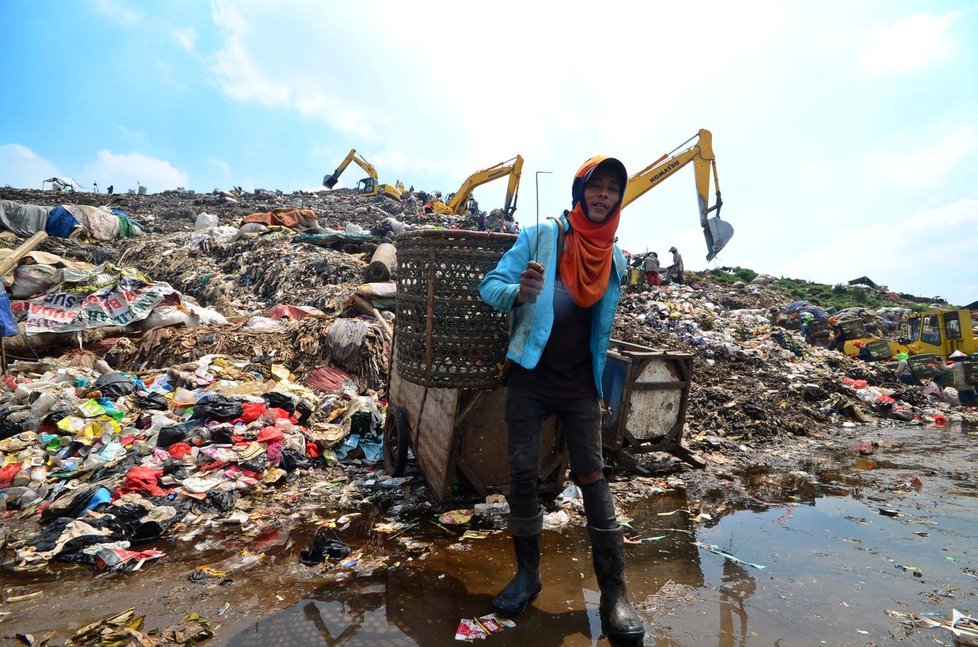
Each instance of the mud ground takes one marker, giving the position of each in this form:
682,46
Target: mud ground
836,569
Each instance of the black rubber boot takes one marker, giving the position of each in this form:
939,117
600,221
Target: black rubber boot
619,620
522,589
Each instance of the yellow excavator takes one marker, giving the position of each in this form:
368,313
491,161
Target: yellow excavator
458,202
368,185
937,332
717,232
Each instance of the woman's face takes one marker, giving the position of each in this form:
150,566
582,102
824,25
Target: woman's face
601,193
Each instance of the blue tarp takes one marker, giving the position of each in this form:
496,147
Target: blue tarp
128,228
60,223
8,325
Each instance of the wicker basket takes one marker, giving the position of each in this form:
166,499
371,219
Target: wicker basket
926,366
446,334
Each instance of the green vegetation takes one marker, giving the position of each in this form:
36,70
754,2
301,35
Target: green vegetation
838,296
731,274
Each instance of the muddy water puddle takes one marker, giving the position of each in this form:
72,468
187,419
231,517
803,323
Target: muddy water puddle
816,556
823,556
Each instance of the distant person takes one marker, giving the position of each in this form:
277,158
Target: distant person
510,226
651,267
633,275
676,269
903,371
109,190
411,204
864,352
838,339
967,395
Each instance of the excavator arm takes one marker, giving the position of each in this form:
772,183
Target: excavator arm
512,167
330,180
717,232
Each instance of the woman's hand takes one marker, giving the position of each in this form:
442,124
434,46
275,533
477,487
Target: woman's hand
531,283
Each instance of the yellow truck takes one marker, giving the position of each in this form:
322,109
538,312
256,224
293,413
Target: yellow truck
939,332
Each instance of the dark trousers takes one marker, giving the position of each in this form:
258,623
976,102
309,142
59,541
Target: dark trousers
526,411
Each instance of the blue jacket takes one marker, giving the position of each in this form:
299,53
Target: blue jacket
532,322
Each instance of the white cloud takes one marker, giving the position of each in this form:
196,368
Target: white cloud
20,167
921,254
911,44
186,38
129,170
928,165
398,82
118,10
130,135
220,166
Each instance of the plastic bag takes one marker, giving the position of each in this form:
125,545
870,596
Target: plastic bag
163,316
33,279
205,221
280,400
152,400
344,339
115,385
217,407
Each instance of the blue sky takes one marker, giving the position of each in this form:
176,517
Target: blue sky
846,134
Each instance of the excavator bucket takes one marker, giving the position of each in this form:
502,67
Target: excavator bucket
717,233
330,180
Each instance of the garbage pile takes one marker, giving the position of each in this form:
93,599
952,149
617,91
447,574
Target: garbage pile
253,358
755,381
141,454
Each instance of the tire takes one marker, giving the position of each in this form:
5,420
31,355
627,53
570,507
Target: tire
396,440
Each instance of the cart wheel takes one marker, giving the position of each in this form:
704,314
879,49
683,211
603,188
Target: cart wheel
396,440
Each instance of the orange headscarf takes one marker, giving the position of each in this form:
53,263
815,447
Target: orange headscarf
585,265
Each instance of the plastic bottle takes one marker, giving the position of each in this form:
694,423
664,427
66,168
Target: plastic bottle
112,451
42,405
93,461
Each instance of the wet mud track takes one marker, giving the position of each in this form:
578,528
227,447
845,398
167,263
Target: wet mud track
831,552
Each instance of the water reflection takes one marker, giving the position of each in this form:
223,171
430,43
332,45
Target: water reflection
830,562
677,576
401,607
422,605
737,586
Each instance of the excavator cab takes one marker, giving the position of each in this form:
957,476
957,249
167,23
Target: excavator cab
367,185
